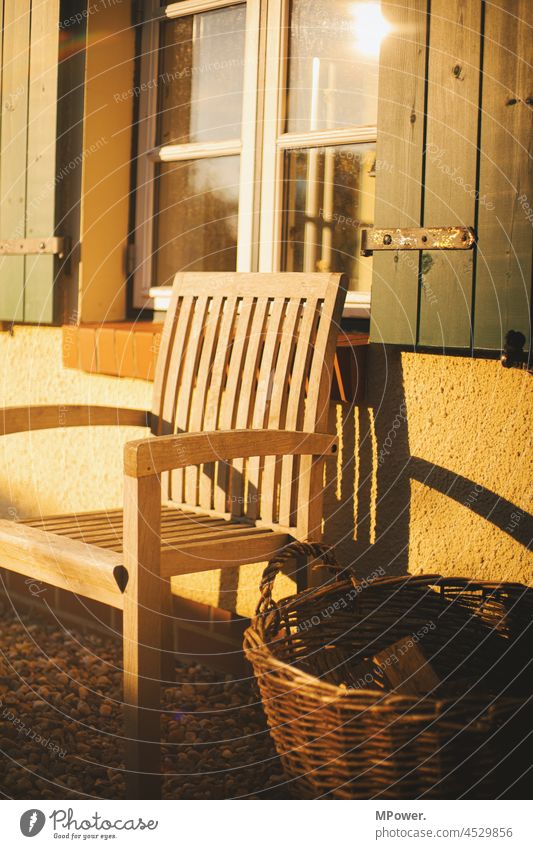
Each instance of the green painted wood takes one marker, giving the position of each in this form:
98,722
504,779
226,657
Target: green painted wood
503,284
13,144
450,169
1,59
41,166
399,169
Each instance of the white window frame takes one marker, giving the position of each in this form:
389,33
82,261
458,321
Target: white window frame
150,154
264,142
276,142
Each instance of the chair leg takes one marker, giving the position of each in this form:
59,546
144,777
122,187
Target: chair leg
168,658
142,637
302,573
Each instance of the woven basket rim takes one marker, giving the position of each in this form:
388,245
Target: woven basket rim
330,692
380,698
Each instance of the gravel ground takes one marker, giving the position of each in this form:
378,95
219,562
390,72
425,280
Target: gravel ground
61,721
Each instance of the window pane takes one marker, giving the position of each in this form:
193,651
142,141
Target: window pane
333,64
196,217
200,77
329,197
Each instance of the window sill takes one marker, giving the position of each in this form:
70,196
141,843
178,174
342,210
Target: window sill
130,349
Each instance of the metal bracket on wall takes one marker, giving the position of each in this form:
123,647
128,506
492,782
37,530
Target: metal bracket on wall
417,239
55,245
513,354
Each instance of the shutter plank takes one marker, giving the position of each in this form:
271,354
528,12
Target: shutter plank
13,145
42,123
399,169
450,168
503,284
1,58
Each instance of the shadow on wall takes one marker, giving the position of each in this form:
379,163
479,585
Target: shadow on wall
369,495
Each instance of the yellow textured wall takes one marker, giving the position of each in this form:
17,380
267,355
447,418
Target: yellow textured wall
60,470
435,471
440,464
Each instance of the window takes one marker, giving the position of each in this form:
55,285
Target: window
319,161
257,134
196,138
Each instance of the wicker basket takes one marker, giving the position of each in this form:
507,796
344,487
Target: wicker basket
340,736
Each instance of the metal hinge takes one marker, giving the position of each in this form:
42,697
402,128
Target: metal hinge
55,245
417,239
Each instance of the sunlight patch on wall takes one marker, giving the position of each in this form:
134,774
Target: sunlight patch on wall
374,487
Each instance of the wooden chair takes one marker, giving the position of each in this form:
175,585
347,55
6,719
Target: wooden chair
232,473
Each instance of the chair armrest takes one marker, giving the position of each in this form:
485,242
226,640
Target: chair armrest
157,454
21,419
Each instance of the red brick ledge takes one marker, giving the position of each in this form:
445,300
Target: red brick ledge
122,349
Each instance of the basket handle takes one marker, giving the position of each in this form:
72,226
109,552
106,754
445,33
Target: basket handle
326,553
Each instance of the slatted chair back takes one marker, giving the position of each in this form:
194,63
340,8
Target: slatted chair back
249,351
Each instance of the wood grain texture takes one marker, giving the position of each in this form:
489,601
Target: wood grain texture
41,165
241,284
243,403
316,412
142,636
70,564
278,407
240,351
21,419
400,143
406,669
14,136
503,279
191,557
450,169
189,541
154,455
217,373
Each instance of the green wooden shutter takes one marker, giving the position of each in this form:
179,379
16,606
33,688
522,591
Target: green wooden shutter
454,127
30,150
14,141
41,169
503,279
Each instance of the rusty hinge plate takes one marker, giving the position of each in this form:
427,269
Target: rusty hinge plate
26,247
417,239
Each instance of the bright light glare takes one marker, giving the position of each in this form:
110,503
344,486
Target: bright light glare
370,28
